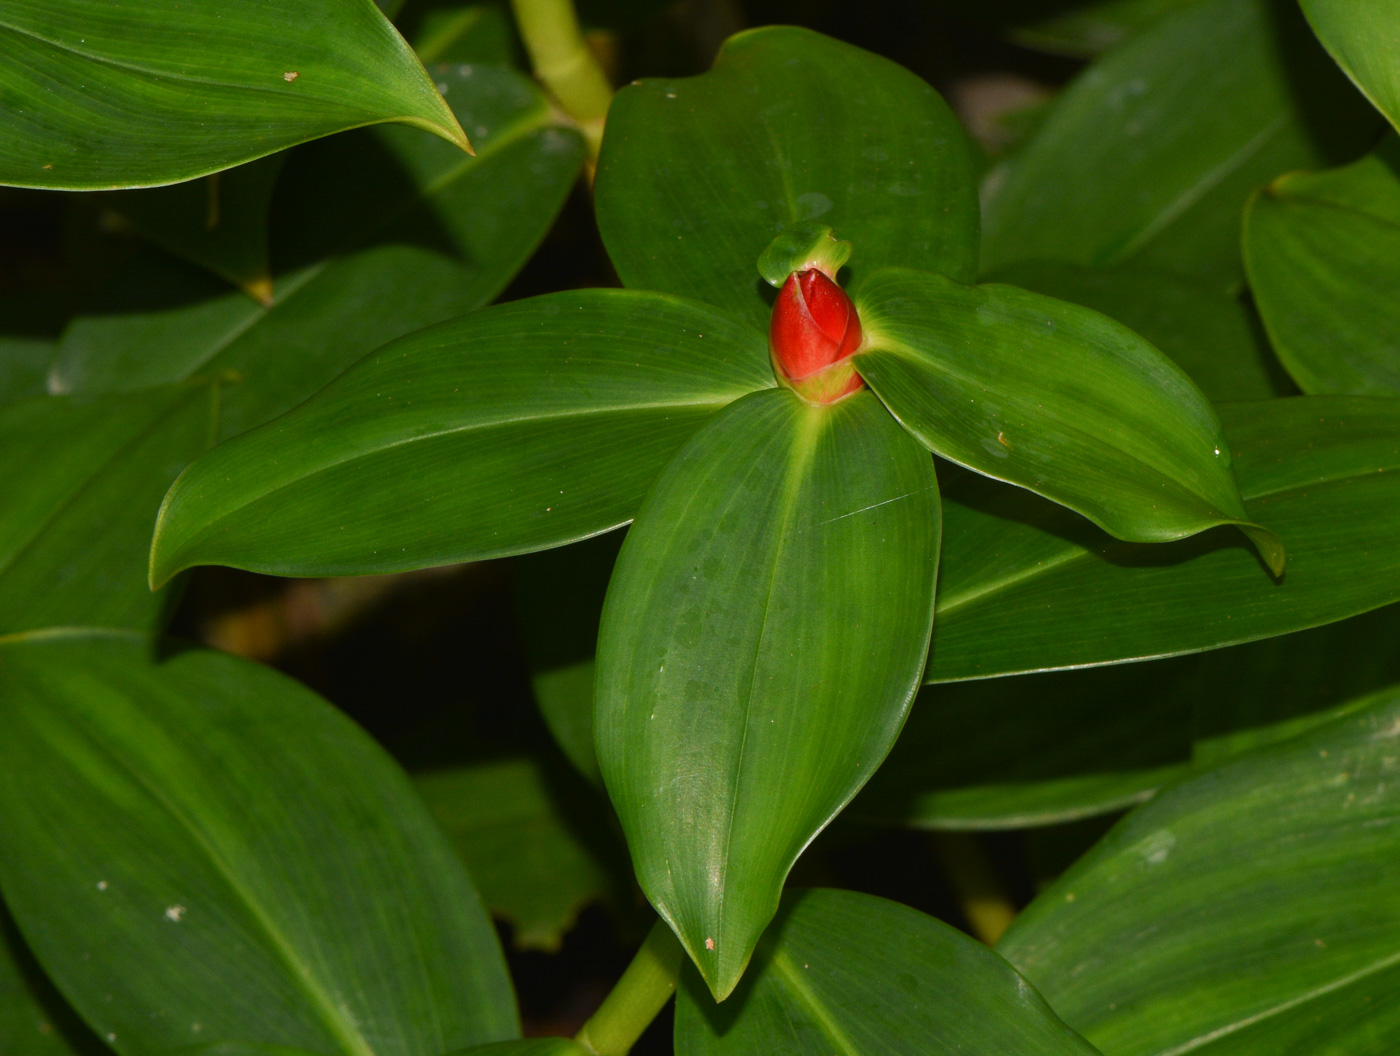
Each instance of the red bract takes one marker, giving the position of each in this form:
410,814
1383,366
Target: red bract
813,333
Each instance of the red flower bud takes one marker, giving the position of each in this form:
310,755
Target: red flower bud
813,334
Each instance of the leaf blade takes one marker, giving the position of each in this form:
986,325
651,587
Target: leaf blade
784,559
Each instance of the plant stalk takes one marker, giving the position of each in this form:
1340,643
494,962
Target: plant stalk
565,65
638,997
974,880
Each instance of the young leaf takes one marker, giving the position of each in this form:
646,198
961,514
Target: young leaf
1084,30
1140,161
524,426
219,222
1024,587
1216,339
1361,36
845,972
200,850
535,860
759,648
1250,909
101,96
82,481
698,175
1323,253
375,234
1055,398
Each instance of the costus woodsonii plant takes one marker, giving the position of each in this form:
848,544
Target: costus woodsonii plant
880,485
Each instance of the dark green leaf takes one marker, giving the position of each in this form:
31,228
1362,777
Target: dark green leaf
1323,252
467,33
219,222
559,598
1050,748
532,861
1141,160
34,1020
101,96
850,973
1214,338
525,426
528,1047
1251,909
698,175
758,653
374,235
1361,36
1053,397
1086,29
82,479
29,329
1024,586
198,849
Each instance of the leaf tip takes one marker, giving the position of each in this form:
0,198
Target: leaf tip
1270,547
260,289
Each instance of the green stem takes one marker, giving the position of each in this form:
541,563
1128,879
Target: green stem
564,63
639,995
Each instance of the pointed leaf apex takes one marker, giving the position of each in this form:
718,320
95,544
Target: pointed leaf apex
803,247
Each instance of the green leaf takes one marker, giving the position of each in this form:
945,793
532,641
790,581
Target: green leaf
101,97
374,235
1055,398
1250,909
1051,748
1215,339
1088,29
760,645
1140,161
1361,36
199,849
535,861
29,329
467,33
1323,252
521,427
559,599
219,222
34,1020
1023,586
851,973
698,175
528,1047
82,480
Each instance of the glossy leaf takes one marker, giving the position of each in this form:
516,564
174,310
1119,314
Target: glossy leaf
470,33
219,222
34,1020
847,972
1053,397
82,481
1088,29
525,426
698,175
1025,587
758,653
374,235
198,849
535,861
101,96
1362,37
1052,748
1140,161
1323,252
1251,909
1214,338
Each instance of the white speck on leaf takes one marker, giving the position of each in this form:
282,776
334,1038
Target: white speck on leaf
174,913
709,943
290,76
102,885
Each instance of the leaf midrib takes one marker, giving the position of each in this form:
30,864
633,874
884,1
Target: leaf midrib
1284,1006
106,60
325,1008
784,967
